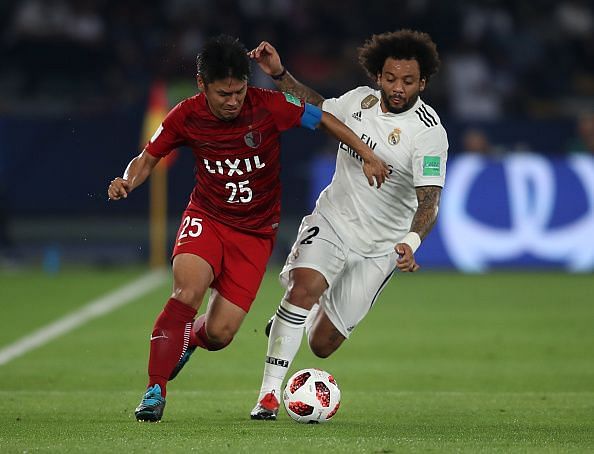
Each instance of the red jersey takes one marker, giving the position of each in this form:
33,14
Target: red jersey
237,161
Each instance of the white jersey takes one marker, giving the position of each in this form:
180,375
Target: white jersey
414,144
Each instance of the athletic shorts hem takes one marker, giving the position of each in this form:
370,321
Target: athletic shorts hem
215,272
243,303
312,266
332,317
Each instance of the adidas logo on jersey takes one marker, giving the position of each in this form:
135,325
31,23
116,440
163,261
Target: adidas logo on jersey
357,116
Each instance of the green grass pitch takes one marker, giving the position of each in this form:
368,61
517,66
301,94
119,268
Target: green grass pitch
444,363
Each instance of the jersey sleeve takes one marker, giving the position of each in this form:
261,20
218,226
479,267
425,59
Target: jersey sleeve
169,134
341,106
285,108
429,157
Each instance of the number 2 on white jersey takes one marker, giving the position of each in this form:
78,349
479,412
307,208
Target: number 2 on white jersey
243,189
312,232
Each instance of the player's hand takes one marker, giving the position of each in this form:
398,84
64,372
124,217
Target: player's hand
376,171
406,259
118,189
267,58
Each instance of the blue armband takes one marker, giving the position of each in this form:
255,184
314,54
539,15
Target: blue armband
311,117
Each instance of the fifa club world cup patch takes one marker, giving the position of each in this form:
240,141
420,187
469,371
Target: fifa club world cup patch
431,166
292,99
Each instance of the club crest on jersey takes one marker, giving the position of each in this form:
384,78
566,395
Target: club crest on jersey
369,101
253,139
394,137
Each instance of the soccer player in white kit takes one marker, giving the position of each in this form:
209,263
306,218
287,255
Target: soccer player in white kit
347,250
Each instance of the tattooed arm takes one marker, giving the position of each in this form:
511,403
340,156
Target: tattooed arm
269,61
422,223
426,215
291,85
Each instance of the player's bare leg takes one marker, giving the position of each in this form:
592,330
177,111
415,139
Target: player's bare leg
323,337
304,290
214,330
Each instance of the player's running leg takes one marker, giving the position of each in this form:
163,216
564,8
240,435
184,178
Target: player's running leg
308,321
305,288
197,326
171,333
223,319
283,343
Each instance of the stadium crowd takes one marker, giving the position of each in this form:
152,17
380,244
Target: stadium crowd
500,57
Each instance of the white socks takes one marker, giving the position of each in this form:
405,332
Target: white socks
283,344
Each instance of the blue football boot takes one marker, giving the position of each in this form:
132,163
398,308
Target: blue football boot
151,406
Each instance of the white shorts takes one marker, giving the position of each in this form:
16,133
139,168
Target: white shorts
354,281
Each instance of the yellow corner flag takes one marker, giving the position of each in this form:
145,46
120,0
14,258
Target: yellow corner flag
157,109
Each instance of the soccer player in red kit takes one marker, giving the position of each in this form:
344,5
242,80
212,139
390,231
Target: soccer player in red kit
228,230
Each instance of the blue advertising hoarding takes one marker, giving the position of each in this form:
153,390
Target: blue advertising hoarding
522,210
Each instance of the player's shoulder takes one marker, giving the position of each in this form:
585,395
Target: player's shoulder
425,125
363,90
357,99
187,105
425,116
262,94
364,96
258,92
265,96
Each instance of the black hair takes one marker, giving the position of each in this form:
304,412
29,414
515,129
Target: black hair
221,57
401,45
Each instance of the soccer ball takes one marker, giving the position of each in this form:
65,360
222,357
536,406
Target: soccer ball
311,396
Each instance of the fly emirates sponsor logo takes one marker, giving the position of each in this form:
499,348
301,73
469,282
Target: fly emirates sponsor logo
236,166
365,138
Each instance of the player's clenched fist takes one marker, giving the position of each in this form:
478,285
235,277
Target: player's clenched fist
406,259
118,189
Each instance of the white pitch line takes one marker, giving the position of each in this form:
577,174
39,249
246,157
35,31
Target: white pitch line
93,309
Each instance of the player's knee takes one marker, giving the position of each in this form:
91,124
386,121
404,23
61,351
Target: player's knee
219,338
188,295
216,345
299,295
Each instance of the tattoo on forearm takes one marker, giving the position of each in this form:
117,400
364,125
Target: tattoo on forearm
291,85
426,215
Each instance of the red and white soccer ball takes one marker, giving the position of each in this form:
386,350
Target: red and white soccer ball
311,396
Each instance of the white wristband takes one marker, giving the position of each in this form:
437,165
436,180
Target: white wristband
413,240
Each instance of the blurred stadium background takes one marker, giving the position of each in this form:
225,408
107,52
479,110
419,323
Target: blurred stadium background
515,92
451,361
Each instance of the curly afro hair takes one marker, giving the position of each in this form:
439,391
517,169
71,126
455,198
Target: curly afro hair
401,45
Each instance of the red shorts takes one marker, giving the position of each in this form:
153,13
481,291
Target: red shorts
238,259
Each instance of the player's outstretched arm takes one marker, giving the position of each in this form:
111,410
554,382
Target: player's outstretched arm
135,174
373,167
423,221
269,61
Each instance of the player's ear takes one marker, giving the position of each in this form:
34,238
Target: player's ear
422,84
200,83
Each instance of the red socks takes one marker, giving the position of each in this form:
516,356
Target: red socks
169,341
